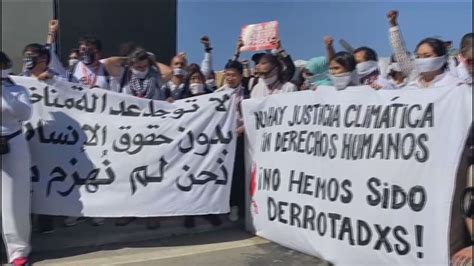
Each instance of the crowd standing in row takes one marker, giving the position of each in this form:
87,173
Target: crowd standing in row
136,72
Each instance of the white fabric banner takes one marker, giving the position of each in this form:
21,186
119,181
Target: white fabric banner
100,153
357,177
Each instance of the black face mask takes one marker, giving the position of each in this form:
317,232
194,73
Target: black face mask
30,62
87,57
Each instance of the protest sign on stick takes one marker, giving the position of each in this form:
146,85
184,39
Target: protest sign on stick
258,37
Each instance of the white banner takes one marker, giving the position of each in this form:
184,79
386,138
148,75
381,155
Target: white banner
99,153
357,177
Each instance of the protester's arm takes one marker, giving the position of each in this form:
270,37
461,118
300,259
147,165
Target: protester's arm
206,64
285,58
238,46
17,106
328,44
463,257
52,31
114,65
54,62
398,44
165,70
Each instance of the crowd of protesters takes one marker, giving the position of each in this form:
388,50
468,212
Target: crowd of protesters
135,71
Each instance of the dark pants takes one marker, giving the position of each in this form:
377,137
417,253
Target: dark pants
237,194
459,236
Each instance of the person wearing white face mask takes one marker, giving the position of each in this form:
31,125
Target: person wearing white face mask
73,57
272,79
401,56
342,71
431,64
396,75
36,58
465,69
15,180
141,78
194,84
211,81
367,66
315,73
233,73
173,89
368,69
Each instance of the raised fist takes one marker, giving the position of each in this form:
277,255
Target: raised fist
240,43
183,55
328,40
205,40
276,41
392,16
53,26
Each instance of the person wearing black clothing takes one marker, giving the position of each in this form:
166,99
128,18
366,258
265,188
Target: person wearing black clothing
285,59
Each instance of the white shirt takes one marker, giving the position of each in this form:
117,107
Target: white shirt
83,73
461,72
442,80
239,96
261,89
16,107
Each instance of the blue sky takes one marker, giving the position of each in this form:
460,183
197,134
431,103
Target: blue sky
304,23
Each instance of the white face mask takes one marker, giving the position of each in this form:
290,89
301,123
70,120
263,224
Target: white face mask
270,81
73,62
430,64
179,72
211,83
6,73
196,88
140,74
365,68
273,77
341,81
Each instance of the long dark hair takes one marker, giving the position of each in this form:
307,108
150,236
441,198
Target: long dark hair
346,60
369,55
438,47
